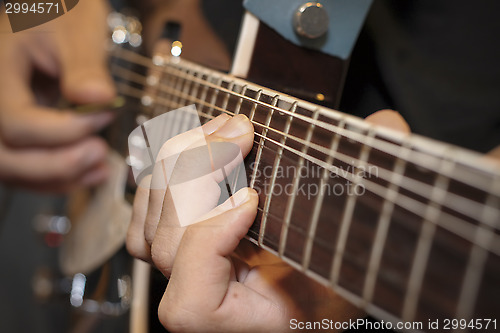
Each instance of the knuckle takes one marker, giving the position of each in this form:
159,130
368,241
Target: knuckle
79,127
190,234
132,244
56,167
174,318
162,257
8,133
150,225
169,148
66,165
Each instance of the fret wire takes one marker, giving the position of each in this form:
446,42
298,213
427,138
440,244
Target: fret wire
396,282
351,295
254,105
167,81
183,94
408,203
416,183
353,135
424,244
235,178
170,127
448,222
383,227
417,158
196,87
165,94
277,161
254,172
353,298
362,303
148,145
477,259
175,83
214,97
318,203
186,124
226,97
291,200
204,93
187,87
345,224
240,100
462,205
194,92
324,125
256,166
154,89
155,107
176,121
126,75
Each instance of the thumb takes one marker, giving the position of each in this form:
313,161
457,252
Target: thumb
390,119
87,82
204,249
84,74
203,275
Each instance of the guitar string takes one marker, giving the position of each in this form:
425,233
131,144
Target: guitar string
457,203
319,148
386,174
454,224
416,158
399,282
384,273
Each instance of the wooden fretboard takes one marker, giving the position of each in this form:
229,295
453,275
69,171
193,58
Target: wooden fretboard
403,226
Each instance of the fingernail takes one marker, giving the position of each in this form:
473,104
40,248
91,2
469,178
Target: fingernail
238,199
237,126
216,123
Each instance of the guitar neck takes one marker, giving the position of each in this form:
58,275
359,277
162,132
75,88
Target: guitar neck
400,225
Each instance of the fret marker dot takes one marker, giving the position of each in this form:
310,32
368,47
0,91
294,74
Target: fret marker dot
146,100
134,162
135,40
158,60
138,142
152,80
119,35
141,119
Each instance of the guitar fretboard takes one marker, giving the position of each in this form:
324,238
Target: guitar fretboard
403,226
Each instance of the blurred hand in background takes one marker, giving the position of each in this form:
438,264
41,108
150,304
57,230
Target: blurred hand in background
42,147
